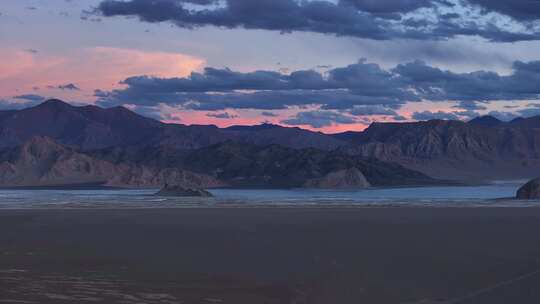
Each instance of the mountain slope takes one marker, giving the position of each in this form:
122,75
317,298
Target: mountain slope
486,121
85,127
42,162
455,149
247,165
267,134
91,127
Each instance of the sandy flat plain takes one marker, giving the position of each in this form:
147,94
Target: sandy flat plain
271,255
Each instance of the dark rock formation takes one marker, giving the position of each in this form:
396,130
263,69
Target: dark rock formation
342,179
274,166
530,190
180,191
43,162
483,149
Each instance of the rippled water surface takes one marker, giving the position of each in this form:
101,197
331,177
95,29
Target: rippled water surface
486,195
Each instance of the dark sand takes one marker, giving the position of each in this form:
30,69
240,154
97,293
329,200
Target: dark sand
251,256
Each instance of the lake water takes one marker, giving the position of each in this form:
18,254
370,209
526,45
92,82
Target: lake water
486,195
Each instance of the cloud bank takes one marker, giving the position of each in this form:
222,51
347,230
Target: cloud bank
350,88
379,20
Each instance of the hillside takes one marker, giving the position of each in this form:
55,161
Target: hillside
91,127
480,149
248,165
42,162
484,148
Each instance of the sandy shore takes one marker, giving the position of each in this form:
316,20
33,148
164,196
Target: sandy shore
251,256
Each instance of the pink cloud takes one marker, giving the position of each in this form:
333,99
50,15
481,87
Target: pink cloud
90,68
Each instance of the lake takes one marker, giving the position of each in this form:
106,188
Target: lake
484,195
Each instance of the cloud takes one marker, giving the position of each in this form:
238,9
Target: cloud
371,110
69,86
470,105
350,88
269,114
519,9
399,118
428,115
437,84
96,67
361,83
15,105
389,6
379,20
224,115
468,114
30,97
318,119
529,112
504,116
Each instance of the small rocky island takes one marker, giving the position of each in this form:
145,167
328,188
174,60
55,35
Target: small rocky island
179,191
530,190
342,179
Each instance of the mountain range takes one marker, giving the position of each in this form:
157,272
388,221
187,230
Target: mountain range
483,148
57,143
91,127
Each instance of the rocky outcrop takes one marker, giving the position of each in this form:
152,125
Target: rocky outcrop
274,166
342,179
180,191
43,162
478,150
530,190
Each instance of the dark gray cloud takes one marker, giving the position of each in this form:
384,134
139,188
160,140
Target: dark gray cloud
529,112
12,105
379,20
390,6
504,116
217,89
65,87
518,9
428,115
470,105
372,110
224,115
318,119
345,88
269,114
399,118
436,84
468,114
30,97
69,87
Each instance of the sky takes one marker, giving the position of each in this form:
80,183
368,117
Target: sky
325,65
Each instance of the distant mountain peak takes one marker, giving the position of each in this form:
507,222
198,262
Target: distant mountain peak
55,102
263,126
517,119
487,121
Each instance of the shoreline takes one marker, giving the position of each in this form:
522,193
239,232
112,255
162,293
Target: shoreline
102,186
